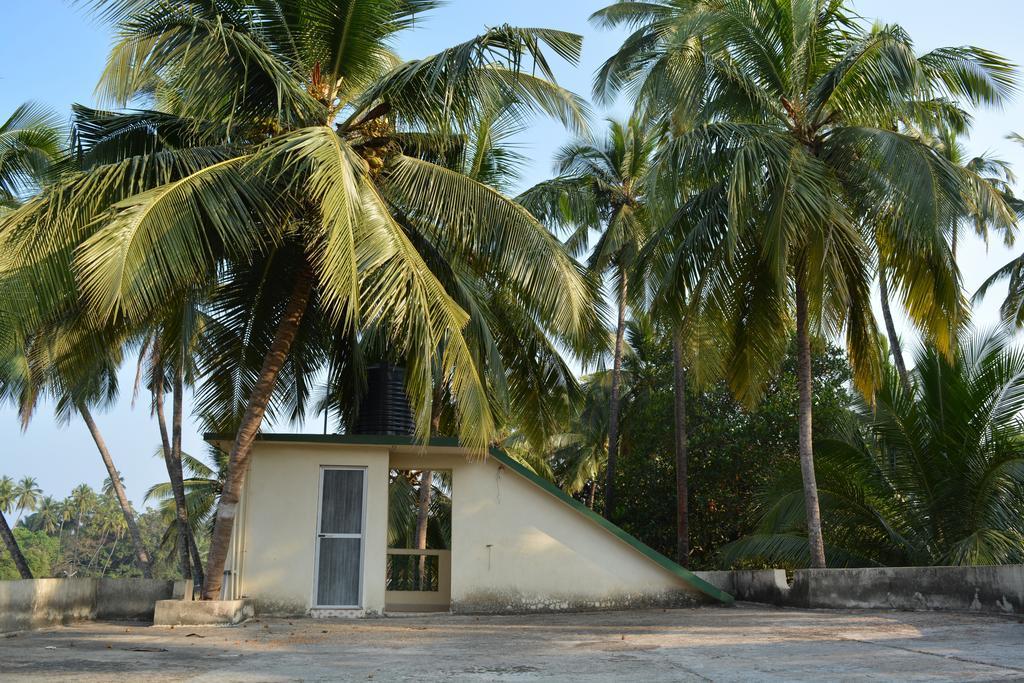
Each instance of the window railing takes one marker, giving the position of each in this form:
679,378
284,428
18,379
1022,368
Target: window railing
418,580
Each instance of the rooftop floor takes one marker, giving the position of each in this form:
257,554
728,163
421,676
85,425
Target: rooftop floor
744,643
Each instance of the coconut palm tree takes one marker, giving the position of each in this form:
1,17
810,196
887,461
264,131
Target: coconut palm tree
26,496
13,548
600,187
990,207
294,198
30,140
933,476
7,488
76,367
48,516
791,105
202,487
1012,308
171,351
81,505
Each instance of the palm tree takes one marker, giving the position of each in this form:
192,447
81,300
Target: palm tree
77,367
7,488
30,140
26,496
792,104
48,515
6,504
173,348
202,488
12,547
81,505
600,187
932,272
293,199
519,356
1012,308
930,476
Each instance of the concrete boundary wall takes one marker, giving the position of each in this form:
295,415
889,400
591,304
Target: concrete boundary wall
995,589
36,603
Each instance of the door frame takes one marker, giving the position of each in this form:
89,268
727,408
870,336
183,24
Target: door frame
317,536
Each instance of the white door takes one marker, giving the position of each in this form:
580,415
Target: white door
340,533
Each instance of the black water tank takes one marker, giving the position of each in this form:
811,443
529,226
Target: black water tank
385,409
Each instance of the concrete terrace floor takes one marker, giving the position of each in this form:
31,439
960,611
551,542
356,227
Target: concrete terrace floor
746,643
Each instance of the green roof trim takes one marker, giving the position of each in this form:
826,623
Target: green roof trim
508,461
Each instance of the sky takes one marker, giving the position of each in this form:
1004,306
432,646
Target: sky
53,52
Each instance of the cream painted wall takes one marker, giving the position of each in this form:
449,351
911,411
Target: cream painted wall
280,523
514,542
514,545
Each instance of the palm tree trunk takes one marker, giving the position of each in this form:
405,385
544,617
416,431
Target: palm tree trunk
113,549
12,547
682,483
591,493
195,567
99,549
238,461
197,559
141,555
804,383
422,518
173,473
60,539
613,407
890,329
78,542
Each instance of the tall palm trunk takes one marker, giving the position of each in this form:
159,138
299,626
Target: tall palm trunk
591,492
142,559
198,576
13,549
110,556
238,461
96,553
422,518
682,483
613,407
804,383
890,329
60,539
188,541
173,473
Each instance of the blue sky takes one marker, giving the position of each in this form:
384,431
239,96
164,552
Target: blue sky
53,52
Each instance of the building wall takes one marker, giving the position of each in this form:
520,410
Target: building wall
279,525
515,547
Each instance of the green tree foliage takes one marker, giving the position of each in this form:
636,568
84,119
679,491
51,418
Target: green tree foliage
733,449
289,164
789,108
929,476
86,535
600,189
40,551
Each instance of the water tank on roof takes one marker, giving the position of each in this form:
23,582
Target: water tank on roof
385,409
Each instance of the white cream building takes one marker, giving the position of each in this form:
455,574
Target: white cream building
311,537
